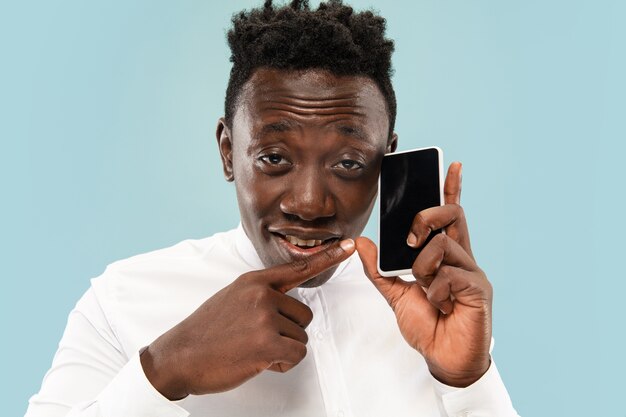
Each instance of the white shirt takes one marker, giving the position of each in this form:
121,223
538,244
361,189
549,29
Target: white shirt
357,362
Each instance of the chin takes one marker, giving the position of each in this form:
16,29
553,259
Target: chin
318,280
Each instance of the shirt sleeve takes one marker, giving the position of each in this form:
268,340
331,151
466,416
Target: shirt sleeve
91,376
486,397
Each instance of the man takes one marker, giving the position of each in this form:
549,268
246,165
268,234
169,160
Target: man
277,317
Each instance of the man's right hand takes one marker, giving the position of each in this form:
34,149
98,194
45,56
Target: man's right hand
245,328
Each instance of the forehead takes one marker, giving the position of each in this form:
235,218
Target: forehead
313,96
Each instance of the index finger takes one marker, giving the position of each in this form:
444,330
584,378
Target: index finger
452,185
287,276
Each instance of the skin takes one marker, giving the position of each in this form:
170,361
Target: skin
304,150
244,329
445,314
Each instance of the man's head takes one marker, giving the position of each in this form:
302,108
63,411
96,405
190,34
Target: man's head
309,114
333,37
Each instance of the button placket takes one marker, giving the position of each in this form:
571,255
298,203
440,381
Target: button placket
327,361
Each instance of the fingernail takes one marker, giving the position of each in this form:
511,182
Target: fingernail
347,244
411,240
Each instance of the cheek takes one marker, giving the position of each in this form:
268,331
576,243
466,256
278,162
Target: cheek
256,195
355,199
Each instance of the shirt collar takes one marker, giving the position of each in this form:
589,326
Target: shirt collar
246,249
248,253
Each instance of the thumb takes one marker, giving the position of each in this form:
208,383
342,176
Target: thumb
391,288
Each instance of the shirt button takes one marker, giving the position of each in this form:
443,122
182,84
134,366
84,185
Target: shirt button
319,335
340,413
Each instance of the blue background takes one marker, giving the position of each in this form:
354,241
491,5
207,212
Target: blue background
108,112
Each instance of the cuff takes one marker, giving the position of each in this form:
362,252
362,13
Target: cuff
485,397
131,394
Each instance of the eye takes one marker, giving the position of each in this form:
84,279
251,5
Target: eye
349,168
274,159
350,164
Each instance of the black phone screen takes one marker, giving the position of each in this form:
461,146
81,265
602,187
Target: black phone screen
409,183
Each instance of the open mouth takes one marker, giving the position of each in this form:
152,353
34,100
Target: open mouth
294,240
306,244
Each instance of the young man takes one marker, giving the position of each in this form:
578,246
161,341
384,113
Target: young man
217,326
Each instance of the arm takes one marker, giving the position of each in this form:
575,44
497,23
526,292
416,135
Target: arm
91,376
445,312
486,397
244,329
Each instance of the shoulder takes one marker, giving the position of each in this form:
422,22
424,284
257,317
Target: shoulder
189,267
215,246
144,295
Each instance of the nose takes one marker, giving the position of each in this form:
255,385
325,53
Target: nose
308,197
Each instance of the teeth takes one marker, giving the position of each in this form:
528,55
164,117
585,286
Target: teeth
299,242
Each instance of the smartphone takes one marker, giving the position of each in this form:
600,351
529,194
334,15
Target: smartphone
409,182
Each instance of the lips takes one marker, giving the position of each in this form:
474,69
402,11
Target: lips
300,243
294,240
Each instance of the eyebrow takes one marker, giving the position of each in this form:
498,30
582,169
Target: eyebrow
287,125
280,126
353,131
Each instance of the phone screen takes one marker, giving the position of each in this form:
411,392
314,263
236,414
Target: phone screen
409,183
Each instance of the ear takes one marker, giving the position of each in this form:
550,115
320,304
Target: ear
392,143
225,146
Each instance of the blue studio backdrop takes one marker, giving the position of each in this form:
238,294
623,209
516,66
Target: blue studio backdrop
108,111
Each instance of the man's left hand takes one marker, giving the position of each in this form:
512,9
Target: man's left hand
445,314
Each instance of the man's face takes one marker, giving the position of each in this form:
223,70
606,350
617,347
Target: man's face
305,151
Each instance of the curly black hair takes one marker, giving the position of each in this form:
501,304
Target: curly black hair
294,37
